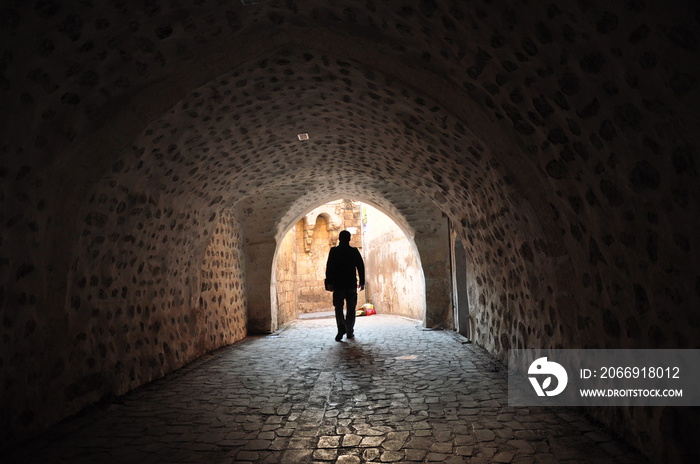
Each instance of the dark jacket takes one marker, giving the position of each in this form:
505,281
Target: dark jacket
340,268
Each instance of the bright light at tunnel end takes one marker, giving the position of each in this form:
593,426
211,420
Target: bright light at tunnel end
303,136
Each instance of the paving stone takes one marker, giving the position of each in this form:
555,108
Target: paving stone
485,434
351,440
443,435
480,460
348,459
296,456
397,436
436,457
505,433
372,442
489,450
420,443
457,460
371,431
441,448
464,450
329,442
523,446
393,445
415,454
279,444
247,456
325,454
423,430
527,435
391,456
503,457
371,454
302,443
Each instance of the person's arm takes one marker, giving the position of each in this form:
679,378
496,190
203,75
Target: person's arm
360,264
330,269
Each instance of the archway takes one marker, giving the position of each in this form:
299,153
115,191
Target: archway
395,278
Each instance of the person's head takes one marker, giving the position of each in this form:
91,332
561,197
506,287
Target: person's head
344,236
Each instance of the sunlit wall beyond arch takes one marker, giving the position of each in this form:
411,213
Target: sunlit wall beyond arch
395,281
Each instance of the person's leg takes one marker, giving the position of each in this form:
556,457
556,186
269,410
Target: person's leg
350,318
338,300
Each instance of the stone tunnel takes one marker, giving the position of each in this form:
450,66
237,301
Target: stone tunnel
151,164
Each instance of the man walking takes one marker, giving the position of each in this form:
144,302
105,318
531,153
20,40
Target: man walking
341,279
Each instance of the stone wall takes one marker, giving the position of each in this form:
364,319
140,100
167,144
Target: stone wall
222,302
153,285
395,283
285,282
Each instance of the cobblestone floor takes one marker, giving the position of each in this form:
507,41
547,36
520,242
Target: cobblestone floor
396,393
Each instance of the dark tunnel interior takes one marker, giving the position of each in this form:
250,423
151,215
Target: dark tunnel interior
150,162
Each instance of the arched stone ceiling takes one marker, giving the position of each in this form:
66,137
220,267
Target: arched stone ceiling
234,142
501,83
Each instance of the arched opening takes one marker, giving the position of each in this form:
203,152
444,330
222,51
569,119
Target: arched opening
395,280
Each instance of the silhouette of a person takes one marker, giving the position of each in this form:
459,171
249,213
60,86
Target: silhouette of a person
342,262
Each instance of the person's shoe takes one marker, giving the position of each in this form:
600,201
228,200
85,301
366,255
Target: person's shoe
351,335
339,337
